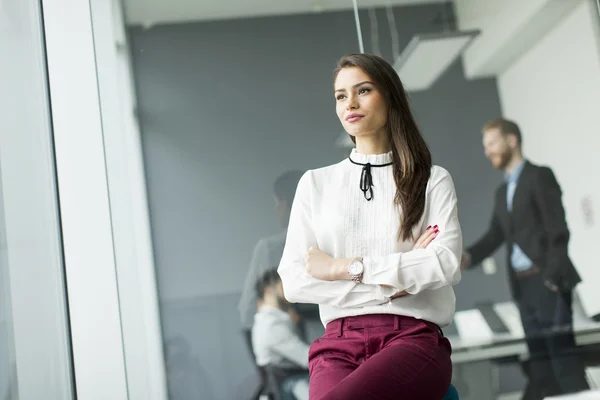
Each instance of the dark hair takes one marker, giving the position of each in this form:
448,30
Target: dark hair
410,155
267,280
285,186
506,127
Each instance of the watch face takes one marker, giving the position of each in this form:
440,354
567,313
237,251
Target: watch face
355,268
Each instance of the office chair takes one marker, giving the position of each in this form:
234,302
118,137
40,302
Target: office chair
271,386
452,393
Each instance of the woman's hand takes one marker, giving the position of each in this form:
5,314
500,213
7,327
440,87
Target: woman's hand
426,237
321,265
398,294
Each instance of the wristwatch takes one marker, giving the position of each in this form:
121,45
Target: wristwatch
355,269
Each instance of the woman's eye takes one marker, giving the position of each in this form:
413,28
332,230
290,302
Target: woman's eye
364,90
339,97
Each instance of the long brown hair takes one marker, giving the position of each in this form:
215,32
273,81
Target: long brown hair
410,155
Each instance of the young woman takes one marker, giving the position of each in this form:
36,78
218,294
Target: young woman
375,241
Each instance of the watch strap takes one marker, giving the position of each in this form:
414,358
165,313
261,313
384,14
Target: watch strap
357,278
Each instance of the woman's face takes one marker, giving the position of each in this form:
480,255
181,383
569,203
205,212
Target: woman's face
360,105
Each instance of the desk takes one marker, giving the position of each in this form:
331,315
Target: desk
474,359
591,395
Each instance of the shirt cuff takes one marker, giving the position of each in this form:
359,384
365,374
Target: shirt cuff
385,293
385,276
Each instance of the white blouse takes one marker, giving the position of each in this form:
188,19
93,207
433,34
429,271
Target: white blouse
330,212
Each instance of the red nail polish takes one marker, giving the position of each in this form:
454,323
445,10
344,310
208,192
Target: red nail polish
436,230
428,228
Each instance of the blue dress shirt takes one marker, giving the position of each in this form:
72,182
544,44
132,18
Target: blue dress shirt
518,259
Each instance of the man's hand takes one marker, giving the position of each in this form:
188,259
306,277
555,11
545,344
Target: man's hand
465,261
551,286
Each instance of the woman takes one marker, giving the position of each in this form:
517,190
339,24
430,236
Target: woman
375,241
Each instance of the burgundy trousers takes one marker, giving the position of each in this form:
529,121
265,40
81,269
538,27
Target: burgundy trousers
380,357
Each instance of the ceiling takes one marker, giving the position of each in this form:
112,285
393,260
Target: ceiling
152,12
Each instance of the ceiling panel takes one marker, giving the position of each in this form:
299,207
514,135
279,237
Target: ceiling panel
152,12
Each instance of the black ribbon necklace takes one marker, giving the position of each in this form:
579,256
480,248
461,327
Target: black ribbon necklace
366,179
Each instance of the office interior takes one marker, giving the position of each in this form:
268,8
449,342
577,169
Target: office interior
141,140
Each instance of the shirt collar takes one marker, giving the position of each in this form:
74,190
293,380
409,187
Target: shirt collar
513,177
374,159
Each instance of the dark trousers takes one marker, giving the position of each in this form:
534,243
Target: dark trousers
380,357
555,366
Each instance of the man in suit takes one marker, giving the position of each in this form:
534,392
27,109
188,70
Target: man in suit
529,218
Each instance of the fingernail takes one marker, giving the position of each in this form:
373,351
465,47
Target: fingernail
429,227
436,230
435,226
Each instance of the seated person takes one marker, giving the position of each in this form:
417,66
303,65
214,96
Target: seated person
276,339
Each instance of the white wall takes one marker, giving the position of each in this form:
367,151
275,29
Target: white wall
509,28
35,353
553,92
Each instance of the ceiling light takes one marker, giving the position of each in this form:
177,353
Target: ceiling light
427,57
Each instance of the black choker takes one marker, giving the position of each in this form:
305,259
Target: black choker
366,179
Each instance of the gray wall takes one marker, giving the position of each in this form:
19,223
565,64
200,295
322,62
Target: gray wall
225,107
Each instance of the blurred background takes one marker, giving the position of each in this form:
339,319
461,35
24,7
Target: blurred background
203,105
